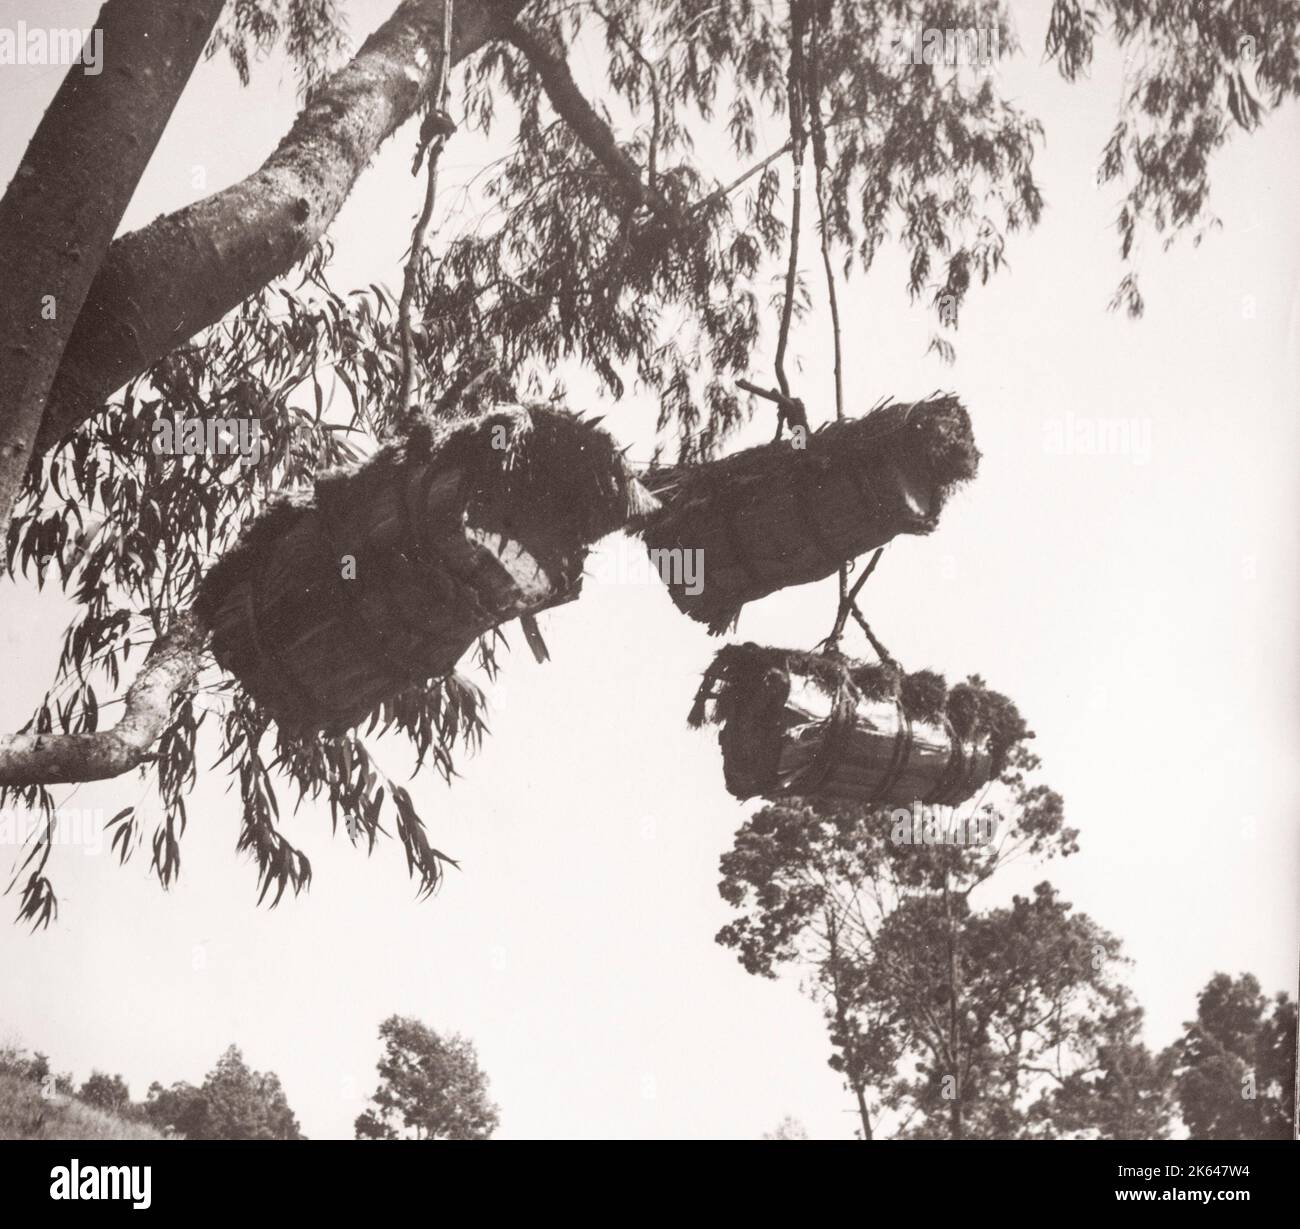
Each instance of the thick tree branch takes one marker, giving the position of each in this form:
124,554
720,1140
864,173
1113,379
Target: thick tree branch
50,759
68,195
160,285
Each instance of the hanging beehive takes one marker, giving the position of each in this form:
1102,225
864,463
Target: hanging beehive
391,569
799,724
779,515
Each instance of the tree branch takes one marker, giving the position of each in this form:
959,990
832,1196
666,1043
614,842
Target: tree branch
162,284
67,198
50,759
571,105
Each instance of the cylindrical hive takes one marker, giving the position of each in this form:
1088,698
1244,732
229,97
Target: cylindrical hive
798,724
393,568
779,515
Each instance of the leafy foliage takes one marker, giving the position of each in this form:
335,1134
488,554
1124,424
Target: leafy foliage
634,258
312,32
130,532
430,1087
1197,71
1126,1093
233,1102
1235,1064
105,1092
946,1021
787,1128
32,1068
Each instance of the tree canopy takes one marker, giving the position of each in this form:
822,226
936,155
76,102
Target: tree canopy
609,235
233,1102
1234,1066
430,1087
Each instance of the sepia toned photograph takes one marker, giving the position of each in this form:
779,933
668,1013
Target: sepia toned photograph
650,570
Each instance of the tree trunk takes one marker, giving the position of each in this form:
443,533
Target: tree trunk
68,195
863,1113
954,1039
841,1023
162,284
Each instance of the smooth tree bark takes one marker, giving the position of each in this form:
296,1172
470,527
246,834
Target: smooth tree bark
49,759
68,195
165,282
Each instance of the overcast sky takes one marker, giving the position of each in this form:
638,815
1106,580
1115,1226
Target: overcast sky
1140,608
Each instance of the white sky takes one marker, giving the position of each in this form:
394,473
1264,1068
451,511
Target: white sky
1143,615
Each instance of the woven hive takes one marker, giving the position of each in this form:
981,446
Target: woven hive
777,515
453,530
798,724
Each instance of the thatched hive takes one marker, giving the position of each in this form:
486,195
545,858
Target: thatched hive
809,725
774,516
451,531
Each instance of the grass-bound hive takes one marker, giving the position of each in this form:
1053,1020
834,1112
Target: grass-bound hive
391,569
795,724
779,515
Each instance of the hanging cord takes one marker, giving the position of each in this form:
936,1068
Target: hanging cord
848,598
791,408
434,131
819,190
820,162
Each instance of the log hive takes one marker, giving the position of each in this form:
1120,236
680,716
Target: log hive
798,724
778,515
452,531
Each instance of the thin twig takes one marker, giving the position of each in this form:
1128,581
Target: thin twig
744,177
771,394
727,189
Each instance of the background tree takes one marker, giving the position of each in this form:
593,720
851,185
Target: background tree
430,1087
107,1092
788,1128
233,1102
604,244
1039,1038
33,1067
1235,1064
1126,1093
945,1020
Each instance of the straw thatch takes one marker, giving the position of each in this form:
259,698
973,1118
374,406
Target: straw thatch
811,725
454,530
774,516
